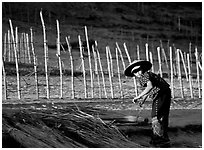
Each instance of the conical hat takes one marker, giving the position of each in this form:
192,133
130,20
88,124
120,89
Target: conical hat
142,65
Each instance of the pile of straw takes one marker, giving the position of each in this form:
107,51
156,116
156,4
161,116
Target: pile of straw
59,128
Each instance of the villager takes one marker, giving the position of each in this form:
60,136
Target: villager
156,89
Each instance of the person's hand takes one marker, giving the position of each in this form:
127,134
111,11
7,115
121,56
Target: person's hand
135,99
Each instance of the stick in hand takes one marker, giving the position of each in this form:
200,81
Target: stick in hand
141,100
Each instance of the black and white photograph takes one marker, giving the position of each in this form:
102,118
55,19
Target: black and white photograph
101,74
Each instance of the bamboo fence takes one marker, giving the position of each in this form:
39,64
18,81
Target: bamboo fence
24,52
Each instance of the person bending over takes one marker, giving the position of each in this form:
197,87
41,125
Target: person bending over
157,89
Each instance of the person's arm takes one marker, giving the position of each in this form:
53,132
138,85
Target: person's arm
145,92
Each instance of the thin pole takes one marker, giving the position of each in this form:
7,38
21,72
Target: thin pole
179,75
185,57
28,48
121,55
118,67
83,68
34,63
9,46
184,65
190,45
126,51
12,48
22,47
59,59
16,60
176,61
165,58
190,76
111,62
109,72
151,60
25,48
198,72
90,66
5,82
72,67
101,70
46,55
138,52
129,59
147,52
96,70
159,59
166,61
5,36
17,45
21,58
172,74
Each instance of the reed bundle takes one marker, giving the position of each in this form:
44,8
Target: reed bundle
60,128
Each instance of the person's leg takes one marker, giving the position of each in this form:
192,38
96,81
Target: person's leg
156,127
164,113
160,118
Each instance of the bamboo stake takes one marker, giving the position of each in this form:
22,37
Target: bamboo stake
46,55
176,61
12,48
28,48
121,55
185,57
101,70
109,72
159,59
21,58
16,60
90,66
24,51
9,46
4,80
72,67
96,70
147,52
179,75
184,65
172,74
129,59
151,60
138,52
190,55
118,67
17,45
4,57
111,62
25,48
126,51
59,59
34,63
165,58
83,68
190,76
94,67
198,72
